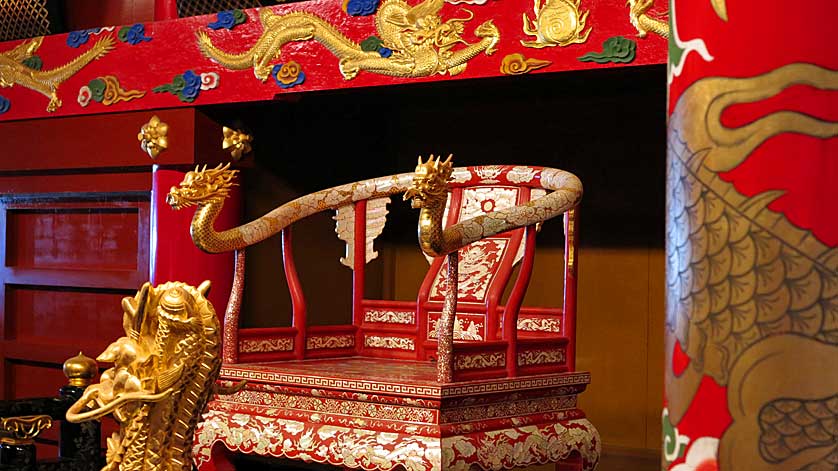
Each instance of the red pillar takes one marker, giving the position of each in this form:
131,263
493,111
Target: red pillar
751,236
173,255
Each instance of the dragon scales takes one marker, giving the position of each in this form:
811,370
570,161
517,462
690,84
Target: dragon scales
752,300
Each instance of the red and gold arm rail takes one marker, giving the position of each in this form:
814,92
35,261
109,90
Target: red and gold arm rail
427,187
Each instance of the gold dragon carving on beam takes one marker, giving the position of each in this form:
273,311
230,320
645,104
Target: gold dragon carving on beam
645,23
163,374
422,43
14,72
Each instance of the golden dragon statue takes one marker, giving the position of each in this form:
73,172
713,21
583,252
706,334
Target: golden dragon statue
14,72
645,23
421,43
752,299
163,375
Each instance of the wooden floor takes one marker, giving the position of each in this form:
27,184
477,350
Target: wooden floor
618,461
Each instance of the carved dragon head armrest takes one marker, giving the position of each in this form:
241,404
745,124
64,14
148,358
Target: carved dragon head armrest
208,188
429,193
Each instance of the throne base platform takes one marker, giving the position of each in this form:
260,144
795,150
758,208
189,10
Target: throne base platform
382,414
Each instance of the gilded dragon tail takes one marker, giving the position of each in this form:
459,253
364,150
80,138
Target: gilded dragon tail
59,74
240,61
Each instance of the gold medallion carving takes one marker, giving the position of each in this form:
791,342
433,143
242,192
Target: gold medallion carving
556,23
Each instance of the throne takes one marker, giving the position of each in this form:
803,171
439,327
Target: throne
458,378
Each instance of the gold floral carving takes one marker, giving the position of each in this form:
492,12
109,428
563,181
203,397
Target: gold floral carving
369,449
422,43
540,357
24,428
163,375
517,64
14,72
153,137
472,332
539,324
330,341
266,345
237,141
479,360
394,343
390,316
556,23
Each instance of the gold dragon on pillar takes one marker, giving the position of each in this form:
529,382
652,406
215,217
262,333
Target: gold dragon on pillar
163,375
422,44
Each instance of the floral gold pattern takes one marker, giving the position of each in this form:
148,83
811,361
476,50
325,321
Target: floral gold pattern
539,324
556,23
330,341
517,64
153,137
369,450
237,142
25,428
266,345
540,357
472,332
479,360
393,343
14,72
390,316
416,42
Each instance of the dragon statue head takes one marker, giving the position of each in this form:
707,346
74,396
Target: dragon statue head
202,187
430,182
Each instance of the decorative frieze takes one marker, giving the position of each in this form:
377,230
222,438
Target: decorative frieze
539,357
330,341
479,360
390,316
393,343
266,345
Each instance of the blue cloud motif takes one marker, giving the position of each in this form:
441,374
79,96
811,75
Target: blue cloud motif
77,38
225,19
136,34
5,104
193,85
300,78
361,7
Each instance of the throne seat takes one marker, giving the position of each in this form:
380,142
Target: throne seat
463,376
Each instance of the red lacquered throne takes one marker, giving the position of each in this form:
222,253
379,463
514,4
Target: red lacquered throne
440,383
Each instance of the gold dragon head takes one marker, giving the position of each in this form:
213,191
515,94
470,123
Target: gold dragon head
202,187
430,182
